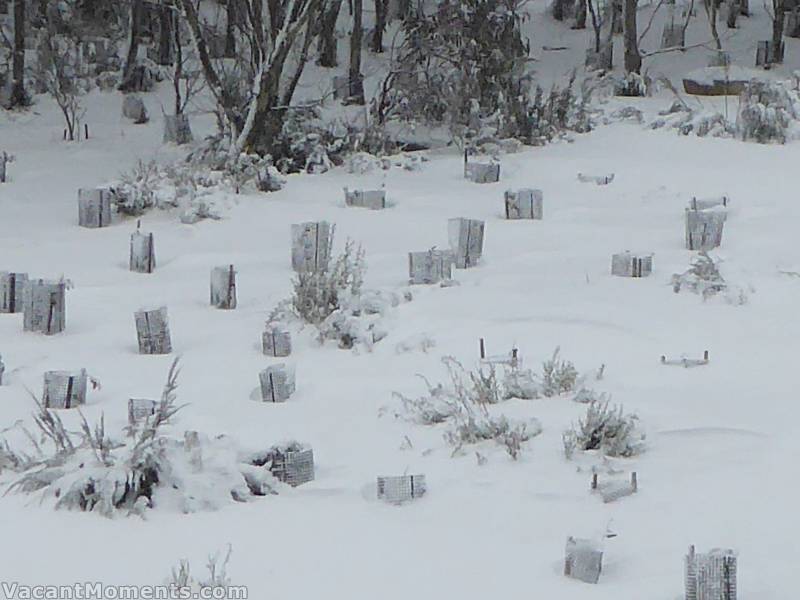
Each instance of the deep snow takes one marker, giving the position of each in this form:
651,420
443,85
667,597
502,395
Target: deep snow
723,438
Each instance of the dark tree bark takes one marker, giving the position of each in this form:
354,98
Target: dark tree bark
617,25
356,79
580,15
137,9
230,29
326,47
561,9
19,96
733,12
165,37
632,58
778,18
381,7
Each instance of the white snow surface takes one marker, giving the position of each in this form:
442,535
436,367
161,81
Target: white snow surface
723,440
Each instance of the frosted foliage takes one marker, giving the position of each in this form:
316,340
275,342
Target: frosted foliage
607,430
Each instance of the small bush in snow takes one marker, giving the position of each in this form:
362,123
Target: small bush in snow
767,112
703,277
136,191
464,405
607,430
320,293
182,580
558,376
93,471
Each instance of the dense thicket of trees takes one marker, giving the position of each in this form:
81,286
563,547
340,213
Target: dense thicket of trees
460,64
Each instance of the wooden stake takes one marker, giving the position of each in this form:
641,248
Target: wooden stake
594,481
634,482
705,355
483,349
86,131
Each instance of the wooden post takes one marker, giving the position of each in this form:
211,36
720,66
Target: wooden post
3,166
223,287
634,482
86,130
594,481
44,307
142,254
152,331
705,355
482,349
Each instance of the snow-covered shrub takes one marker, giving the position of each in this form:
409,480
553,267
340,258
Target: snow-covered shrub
632,85
146,467
561,111
701,123
606,429
703,277
558,376
464,405
768,111
320,293
136,191
186,585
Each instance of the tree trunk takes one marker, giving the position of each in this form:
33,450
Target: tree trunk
356,79
18,95
616,20
777,30
733,11
560,9
580,15
633,60
133,49
176,76
326,47
230,29
711,12
381,6
165,37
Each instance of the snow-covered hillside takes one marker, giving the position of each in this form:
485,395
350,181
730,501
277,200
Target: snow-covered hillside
722,439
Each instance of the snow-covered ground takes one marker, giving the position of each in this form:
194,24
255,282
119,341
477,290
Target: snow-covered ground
723,439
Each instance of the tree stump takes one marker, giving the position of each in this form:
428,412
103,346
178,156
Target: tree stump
152,331
311,246
4,160
12,291
626,264
44,306
466,241
431,266
276,341
223,287
277,383
482,172
133,108
177,129
402,488
341,87
600,60
143,254
583,560
704,229
373,199
94,208
525,203
64,389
